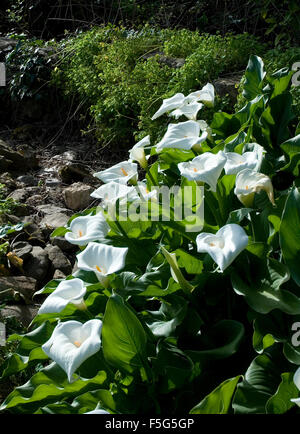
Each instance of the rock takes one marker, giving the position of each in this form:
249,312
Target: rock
4,163
52,182
59,275
6,178
58,259
37,264
54,217
24,314
20,195
18,160
74,172
22,284
63,244
22,249
28,180
34,200
228,86
77,196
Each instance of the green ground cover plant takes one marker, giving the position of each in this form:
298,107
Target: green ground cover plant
161,320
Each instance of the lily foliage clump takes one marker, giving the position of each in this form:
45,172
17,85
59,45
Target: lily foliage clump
158,319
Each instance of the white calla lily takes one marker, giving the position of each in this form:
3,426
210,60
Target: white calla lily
184,135
67,292
296,380
187,109
137,153
84,229
206,167
123,172
248,160
224,246
249,182
102,259
72,343
169,104
97,411
145,192
109,193
205,95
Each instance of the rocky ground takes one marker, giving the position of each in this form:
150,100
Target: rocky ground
48,184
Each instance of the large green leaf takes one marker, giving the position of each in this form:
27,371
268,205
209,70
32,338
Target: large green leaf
124,339
225,338
280,402
49,385
289,234
259,385
254,76
292,148
219,400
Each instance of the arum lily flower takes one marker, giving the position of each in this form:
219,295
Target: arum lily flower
97,411
206,167
176,272
137,153
248,160
111,192
169,104
68,291
87,228
249,182
205,95
188,109
184,135
225,245
145,193
72,343
296,380
123,172
102,259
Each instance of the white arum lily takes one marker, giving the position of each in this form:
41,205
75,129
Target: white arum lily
169,104
84,229
248,160
111,192
67,292
296,380
97,411
137,153
72,343
187,109
123,172
224,246
184,135
145,193
102,259
205,95
249,182
206,167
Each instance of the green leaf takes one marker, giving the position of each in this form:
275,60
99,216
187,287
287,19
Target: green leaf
280,402
47,386
124,339
259,385
219,400
292,148
254,76
289,234
225,338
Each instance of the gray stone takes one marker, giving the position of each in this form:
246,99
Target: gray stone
77,196
63,244
37,264
58,259
22,249
54,217
52,182
28,180
19,159
24,314
59,275
20,195
228,86
21,284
